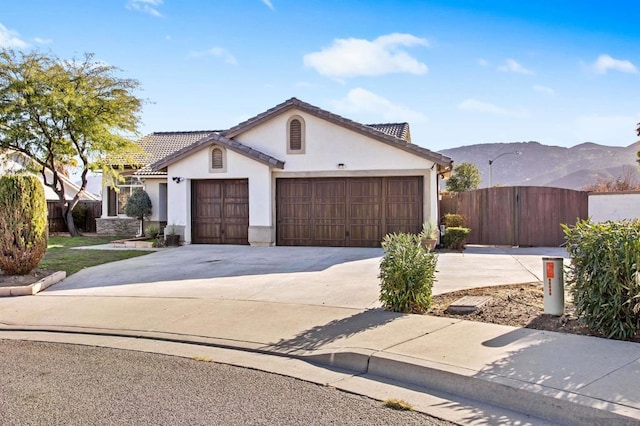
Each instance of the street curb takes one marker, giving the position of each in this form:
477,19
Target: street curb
29,290
544,402
547,403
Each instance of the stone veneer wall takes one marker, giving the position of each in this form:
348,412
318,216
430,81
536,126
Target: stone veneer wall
117,226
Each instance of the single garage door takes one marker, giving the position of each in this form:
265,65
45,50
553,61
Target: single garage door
349,212
220,211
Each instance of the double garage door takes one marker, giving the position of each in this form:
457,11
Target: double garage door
350,212
339,212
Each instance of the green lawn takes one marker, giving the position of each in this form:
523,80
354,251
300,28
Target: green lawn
60,256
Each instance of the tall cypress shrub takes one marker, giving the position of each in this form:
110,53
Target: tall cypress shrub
23,224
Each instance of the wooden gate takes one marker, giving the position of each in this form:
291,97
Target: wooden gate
517,215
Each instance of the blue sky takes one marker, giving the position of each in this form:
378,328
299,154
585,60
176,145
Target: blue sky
460,72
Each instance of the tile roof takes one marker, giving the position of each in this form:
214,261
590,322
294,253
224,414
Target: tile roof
216,138
159,145
163,148
294,103
399,130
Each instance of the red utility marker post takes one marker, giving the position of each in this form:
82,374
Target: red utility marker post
553,285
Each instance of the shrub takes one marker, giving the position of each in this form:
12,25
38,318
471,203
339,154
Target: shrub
23,228
407,273
80,213
454,220
152,231
604,277
455,237
139,206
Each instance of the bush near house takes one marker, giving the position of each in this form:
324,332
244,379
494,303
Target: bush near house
407,274
139,206
455,238
453,220
23,228
604,275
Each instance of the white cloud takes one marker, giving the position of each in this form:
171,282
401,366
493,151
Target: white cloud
358,57
147,6
373,107
511,65
268,3
483,62
218,52
605,63
9,39
43,40
475,105
544,89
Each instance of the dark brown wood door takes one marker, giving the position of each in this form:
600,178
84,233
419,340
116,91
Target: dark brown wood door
220,211
351,212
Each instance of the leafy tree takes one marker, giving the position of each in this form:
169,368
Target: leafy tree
23,228
466,177
67,114
139,206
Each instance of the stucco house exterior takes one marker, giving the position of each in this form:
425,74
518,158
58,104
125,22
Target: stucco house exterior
12,162
292,175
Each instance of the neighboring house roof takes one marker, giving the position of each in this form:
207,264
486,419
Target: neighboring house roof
217,139
399,130
17,162
295,103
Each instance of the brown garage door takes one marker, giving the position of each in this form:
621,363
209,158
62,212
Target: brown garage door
220,211
351,212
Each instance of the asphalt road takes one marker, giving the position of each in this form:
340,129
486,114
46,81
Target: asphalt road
50,383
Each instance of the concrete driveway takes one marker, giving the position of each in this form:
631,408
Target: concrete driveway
341,277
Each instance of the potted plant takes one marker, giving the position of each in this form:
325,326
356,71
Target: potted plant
171,237
429,236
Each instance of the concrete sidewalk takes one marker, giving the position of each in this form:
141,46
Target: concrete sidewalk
560,378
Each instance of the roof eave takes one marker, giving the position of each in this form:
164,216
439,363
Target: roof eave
221,140
362,129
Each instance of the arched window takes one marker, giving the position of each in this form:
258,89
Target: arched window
295,135
218,160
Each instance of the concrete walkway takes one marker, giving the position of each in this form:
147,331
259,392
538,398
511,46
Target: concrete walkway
462,368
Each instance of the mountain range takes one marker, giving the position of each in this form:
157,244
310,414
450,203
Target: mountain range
545,165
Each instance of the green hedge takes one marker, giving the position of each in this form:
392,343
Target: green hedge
604,276
23,224
454,220
407,274
455,238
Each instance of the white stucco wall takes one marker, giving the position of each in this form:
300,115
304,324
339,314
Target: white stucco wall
158,208
197,166
614,206
327,145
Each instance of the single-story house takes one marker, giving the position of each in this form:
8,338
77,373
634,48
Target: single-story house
12,162
292,175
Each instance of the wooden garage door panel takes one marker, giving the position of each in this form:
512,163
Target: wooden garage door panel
220,211
347,211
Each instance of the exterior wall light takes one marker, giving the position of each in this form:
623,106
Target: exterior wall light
342,166
177,179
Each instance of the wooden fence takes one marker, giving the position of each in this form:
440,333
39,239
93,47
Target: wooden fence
93,210
517,215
